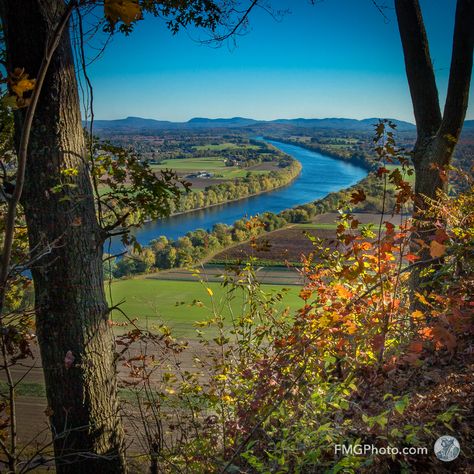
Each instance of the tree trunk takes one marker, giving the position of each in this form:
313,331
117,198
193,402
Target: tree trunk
75,339
437,134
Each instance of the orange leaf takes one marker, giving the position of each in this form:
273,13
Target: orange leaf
422,299
444,337
305,294
426,333
417,314
421,242
342,291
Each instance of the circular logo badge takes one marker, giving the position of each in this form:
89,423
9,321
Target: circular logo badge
447,448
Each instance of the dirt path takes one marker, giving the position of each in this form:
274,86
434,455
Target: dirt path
210,272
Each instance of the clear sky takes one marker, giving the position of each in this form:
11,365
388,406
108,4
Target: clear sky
338,58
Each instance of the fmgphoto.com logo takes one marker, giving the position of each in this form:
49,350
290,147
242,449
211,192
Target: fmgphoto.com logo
446,449
372,450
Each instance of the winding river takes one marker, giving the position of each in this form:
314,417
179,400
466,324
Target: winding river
320,176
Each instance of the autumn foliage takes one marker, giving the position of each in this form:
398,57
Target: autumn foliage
276,391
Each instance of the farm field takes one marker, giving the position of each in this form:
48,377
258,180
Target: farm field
212,164
275,248
287,245
152,302
179,304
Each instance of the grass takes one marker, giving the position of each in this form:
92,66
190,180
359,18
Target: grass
316,225
214,165
25,389
179,304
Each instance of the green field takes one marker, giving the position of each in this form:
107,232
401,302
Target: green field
212,164
316,226
171,302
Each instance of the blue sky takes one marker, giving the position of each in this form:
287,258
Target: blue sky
338,58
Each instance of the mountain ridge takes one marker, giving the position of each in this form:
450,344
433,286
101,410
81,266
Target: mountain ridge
132,123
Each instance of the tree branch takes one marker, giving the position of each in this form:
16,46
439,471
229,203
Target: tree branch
419,68
461,70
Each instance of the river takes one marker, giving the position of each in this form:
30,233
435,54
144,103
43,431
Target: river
320,175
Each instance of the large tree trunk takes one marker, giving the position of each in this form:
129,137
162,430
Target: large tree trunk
75,338
437,134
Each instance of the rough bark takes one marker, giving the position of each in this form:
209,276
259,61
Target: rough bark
71,309
437,134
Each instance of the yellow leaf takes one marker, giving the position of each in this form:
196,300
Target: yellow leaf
351,327
211,293
324,321
22,86
436,249
417,314
122,10
422,299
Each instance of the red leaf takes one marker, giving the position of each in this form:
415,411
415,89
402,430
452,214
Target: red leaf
389,226
378,342
358,196
412,258
441,236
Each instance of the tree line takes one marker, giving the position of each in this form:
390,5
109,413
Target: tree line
239,188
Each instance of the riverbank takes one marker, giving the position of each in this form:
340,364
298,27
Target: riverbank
229,201
279,169
362,161
319,177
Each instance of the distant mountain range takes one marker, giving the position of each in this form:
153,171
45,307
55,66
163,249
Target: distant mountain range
137,124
